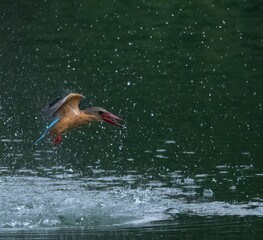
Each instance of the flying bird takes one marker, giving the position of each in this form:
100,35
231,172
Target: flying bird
65,114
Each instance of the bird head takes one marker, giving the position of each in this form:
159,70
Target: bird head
103,115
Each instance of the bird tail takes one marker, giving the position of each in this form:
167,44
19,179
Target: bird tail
47,130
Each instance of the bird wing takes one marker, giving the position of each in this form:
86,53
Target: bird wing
47,130
63,105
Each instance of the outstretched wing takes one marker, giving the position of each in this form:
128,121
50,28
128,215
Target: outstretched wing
63,105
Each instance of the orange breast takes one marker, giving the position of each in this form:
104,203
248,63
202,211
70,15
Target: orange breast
70,121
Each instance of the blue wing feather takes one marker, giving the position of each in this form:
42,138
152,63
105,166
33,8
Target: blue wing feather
47,130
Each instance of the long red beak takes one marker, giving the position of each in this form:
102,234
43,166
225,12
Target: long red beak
113,119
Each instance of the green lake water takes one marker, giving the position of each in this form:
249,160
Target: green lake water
187,78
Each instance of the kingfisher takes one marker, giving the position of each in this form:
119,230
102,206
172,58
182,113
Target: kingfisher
65,114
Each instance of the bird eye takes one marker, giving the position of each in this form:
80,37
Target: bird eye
100,112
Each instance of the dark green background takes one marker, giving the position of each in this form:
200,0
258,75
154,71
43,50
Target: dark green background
185,75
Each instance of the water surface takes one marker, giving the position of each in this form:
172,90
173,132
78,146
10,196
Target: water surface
187,79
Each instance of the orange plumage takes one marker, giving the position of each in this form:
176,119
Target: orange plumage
66,115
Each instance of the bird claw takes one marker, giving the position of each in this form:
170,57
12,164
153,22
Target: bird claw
58,139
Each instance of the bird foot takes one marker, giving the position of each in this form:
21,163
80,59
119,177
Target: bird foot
58,139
